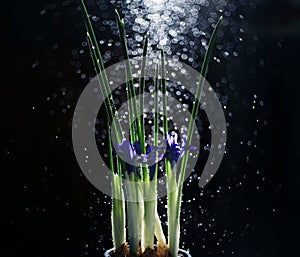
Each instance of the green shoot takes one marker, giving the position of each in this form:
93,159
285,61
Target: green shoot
161,239
118,206
174,242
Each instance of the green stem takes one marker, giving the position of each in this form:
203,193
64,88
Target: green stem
130,119
118,213
197,102
161,239
99,66
159,233
131,88
171,175
164,94
108,105
133,215
149,220
118,206
141,118
174,244
156,128
141,92
172,199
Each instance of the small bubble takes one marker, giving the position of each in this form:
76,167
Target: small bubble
35,64
225,54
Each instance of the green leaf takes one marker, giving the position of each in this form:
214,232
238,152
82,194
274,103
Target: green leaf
164,93
174,240
100,69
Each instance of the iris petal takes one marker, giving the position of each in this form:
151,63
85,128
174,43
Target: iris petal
174,150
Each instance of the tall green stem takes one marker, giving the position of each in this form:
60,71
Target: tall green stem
142,89
129,76
171,176
161,239
174,244
99,66
133,214
118,205
164,94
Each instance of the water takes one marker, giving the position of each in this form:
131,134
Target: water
215,219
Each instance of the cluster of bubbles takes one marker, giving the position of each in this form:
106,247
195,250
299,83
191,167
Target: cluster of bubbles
182,28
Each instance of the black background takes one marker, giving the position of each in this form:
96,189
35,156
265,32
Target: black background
48,207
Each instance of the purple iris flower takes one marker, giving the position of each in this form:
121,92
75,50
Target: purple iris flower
128,153
131,154
133,157
137,147
174,150
126,150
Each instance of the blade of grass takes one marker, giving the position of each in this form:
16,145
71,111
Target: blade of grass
99,66
151,218
133,215
141,91
146,177
159,233
197,103
91,32
107,104
118,206
161,239
171,175
174,244
118,214
172,200
132,125
164,94
122,32
156,111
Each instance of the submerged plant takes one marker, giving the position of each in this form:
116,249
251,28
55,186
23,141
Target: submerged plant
137,162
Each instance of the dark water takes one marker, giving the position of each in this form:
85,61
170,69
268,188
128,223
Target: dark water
249,208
